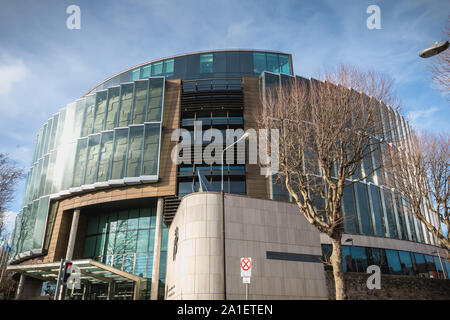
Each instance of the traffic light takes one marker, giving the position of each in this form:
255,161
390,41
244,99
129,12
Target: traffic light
66,274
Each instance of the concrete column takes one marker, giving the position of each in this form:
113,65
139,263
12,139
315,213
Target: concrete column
73,234
20,286
156,250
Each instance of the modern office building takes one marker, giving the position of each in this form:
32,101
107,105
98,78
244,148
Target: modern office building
103,192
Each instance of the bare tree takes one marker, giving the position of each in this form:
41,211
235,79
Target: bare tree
10,174
329,128
420,172
440,67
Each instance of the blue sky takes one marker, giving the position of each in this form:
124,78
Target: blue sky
44,65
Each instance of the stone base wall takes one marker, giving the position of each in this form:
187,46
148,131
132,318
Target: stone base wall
392,288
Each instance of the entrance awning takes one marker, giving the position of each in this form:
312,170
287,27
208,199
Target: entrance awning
91,271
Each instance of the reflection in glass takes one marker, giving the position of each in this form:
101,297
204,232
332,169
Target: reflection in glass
126,99
120,152
80,163
151,149
206,63
105,155
92,159
156,99
134,151
113,107
88,115
100,111
140,101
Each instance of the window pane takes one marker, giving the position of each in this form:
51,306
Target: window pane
360,258
390,214
168,67
140,101
401,217
109,242
350,219
122,221
157,68
134,151
347,261
103,224
155,100
420,266
144,218
92,225
364,209
78,118
141,264
120,152
80,163
272,63
89,247
131,241
135,74
100,245
105,155
133,219
406,263
120,242
92,158
377,210
88,115
206,63
146,71
142,243
128,263
393,259
100,111
151,149
284,64
149,265
126,99
113,107
378,257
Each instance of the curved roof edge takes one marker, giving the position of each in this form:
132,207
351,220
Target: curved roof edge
180,55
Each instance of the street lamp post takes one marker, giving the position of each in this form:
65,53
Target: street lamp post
222,213
244,136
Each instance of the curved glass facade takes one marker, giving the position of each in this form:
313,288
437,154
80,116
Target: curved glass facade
369,208
111,137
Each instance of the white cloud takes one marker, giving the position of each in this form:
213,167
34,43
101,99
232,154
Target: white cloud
421,113
11,71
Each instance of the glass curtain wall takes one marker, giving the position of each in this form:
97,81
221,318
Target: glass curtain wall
112,134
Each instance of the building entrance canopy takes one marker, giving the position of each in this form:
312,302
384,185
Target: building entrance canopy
92,271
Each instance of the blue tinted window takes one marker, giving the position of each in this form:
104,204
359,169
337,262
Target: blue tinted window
284,64
168,66
157,68
406,262
377,210
272,63
146,71
360,258
135,74
350,216
347,261
364,209
259,62
206,63
394,264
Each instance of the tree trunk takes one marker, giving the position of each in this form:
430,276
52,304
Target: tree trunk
338,273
